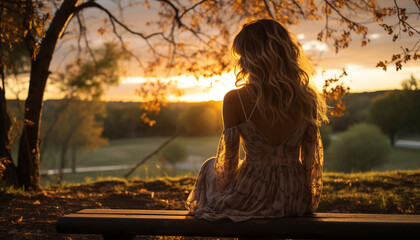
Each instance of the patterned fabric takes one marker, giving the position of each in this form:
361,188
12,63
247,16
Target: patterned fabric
271,181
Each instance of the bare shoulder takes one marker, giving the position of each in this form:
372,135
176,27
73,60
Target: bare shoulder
230,106
230,96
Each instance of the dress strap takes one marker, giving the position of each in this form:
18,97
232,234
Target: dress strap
252,111
243,108
242,105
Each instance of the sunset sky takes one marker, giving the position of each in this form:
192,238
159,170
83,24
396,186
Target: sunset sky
358,61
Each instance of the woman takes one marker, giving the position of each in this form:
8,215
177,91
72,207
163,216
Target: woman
276,114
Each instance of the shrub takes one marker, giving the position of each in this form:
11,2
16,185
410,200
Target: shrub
325,132
174,153
200,120
360,148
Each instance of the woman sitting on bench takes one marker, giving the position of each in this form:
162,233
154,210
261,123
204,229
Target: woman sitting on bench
276,114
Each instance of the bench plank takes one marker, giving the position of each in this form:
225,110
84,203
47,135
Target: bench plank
119,222
134,212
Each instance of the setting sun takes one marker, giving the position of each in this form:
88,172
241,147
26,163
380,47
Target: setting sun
360,79
192,89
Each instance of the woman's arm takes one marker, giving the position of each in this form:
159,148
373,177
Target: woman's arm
230,106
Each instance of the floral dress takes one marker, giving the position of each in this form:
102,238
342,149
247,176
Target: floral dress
271,181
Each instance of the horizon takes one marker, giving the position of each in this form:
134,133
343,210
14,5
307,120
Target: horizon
181,101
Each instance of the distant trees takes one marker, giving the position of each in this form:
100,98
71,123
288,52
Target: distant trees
78,128
326,132
192,37
357,110
360,148
75,122
83,81
398,112
201,120
191,119
123,120
387,112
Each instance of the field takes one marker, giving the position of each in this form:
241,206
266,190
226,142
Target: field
29,215
131,151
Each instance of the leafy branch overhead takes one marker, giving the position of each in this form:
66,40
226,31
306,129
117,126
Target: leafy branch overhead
188,32
333,91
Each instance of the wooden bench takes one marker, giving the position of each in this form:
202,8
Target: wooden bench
126,224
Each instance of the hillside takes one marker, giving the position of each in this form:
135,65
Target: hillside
33,215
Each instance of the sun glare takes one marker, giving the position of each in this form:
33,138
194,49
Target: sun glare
193,89
359,79
204,89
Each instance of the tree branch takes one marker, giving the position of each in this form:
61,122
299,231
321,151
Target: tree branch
93,4
339,13
177,19
403,21
300,8
268,9
83,33
151,154
192,8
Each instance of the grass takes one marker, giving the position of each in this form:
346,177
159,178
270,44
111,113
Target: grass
372,192
144,172
33,215
131,151
401,158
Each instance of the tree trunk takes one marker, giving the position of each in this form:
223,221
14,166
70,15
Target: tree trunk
28,159
392,139
64,148
8,171
8,174
73,160
63,105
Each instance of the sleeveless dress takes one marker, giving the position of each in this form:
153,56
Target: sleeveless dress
271,181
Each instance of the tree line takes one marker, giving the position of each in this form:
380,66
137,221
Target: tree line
395,112
370,126
117,120
122,120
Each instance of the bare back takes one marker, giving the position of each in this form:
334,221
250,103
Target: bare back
239,108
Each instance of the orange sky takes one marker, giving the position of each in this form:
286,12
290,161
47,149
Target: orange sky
359,79
358,61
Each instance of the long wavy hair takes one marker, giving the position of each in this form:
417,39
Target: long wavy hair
272,66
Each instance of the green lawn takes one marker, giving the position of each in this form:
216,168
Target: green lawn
401,158
131,151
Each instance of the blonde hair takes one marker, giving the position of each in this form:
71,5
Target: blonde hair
271,64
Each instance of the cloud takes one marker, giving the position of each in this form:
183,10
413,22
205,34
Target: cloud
315,45
301,36
374,36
